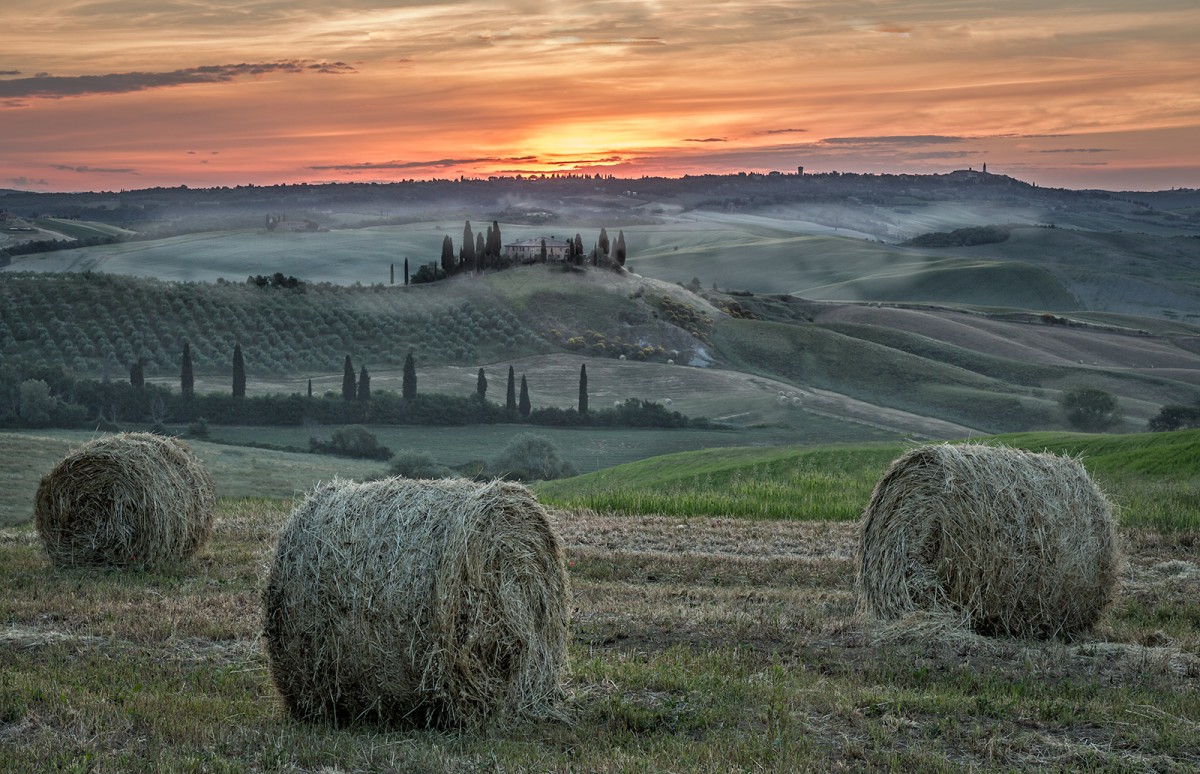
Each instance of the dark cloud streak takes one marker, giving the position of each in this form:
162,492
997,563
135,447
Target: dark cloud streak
896,140
1076,150
83,170
59,86
367,166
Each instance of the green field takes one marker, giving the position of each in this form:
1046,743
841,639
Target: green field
1154,478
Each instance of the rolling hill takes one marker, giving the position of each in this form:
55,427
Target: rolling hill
810,313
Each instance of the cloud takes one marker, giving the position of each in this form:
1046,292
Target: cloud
1076,150
83,170
433,164
781,131
46,86
706,139
22,181
577,162
10,72
894,140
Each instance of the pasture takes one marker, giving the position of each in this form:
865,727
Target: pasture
698,643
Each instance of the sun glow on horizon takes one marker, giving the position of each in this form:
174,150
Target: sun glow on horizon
139,92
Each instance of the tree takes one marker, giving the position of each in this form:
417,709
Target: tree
310,388
578,249
542,252
137,374
239,372
619,248
603,243
480,251
349,385
497,246
187,382
409,389
364,386
468,248
510,400
481,386
583,396
531,457
392,281
35,401
447,255
1089,409
1175,417
406,270
523,402
352,441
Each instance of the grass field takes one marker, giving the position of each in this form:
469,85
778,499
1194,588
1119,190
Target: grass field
239,471
697,644
1154,478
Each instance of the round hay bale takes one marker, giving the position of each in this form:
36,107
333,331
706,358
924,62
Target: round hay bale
131,499
1005,541
418,603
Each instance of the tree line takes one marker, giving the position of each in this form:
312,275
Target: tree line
52,397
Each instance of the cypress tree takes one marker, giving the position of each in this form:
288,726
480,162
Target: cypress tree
468,248
619,248
583,396
510,399
497,245
187,382
481,386
447,255
578,249
603,243
137,376
239,372
310,388
393,275
406,270
480,251
349,385
523,403
364,386
409,389
542,252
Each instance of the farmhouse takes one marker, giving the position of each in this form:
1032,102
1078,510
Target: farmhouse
531,249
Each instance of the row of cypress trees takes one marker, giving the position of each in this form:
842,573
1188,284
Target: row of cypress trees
359,388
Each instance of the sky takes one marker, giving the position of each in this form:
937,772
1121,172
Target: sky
125,94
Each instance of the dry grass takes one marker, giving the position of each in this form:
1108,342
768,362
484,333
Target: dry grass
994,539
421,603
133,499
697,645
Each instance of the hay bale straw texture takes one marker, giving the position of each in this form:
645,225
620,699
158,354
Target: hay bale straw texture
131,499
1005,541
418,603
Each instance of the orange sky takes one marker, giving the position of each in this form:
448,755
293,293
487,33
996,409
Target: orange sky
119,94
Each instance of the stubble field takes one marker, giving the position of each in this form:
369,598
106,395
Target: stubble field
701,644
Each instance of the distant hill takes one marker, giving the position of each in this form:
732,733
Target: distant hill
927,371
798,290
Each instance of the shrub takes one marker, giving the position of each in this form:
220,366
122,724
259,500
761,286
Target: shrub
411,463
353,441
531,457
